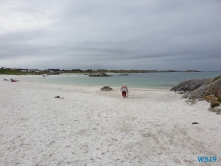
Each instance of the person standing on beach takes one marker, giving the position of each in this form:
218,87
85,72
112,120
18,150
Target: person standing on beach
124,90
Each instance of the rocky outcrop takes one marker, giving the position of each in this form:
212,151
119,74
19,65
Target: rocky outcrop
199,88
198,93
214,88
190,85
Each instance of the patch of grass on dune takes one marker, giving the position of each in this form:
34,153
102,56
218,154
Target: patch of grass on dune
216,78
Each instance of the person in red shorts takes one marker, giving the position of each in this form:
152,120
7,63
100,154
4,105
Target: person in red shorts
124,90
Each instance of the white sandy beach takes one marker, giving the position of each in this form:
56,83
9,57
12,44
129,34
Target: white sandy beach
95,128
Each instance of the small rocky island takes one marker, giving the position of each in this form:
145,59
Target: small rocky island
123,74
99,75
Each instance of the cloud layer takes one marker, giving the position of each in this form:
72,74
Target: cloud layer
112,34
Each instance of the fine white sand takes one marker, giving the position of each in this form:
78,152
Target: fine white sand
96,128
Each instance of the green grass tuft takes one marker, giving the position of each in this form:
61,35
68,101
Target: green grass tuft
214,105
216,78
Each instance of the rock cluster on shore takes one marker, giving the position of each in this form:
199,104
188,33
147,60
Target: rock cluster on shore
106,88
200,89
191,85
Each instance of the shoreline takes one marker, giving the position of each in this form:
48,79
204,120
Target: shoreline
94,127
72,84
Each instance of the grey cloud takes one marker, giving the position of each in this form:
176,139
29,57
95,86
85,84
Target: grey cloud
114,34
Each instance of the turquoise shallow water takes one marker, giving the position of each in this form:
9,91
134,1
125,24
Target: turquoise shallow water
134,80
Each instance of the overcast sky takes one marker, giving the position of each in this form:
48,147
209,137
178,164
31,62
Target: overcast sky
111,34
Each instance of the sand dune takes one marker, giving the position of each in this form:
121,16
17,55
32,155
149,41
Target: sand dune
92,127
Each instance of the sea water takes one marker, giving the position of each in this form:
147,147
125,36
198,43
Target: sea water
160,80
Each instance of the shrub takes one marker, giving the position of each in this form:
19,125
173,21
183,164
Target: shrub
219,100
214,105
